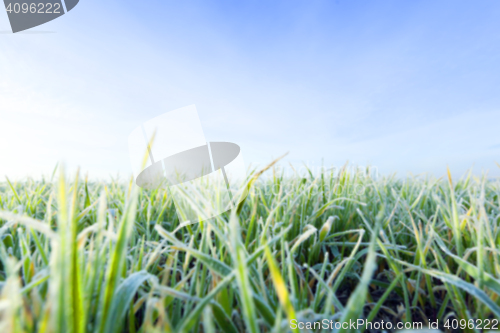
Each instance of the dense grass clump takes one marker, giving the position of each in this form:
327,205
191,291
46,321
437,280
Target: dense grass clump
78,256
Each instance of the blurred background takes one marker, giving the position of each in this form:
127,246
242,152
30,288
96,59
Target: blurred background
405,86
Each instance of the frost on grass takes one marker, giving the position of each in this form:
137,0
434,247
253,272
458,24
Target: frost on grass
79,256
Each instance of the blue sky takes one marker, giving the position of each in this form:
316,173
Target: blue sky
405,86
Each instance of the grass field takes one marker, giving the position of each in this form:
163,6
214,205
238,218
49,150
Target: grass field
78,256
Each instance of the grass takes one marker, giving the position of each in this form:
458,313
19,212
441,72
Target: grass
78,256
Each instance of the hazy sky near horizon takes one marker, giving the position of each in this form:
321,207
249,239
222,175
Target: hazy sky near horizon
405,86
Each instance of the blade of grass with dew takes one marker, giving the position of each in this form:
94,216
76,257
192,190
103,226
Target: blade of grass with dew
117,259
280,287
355,304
